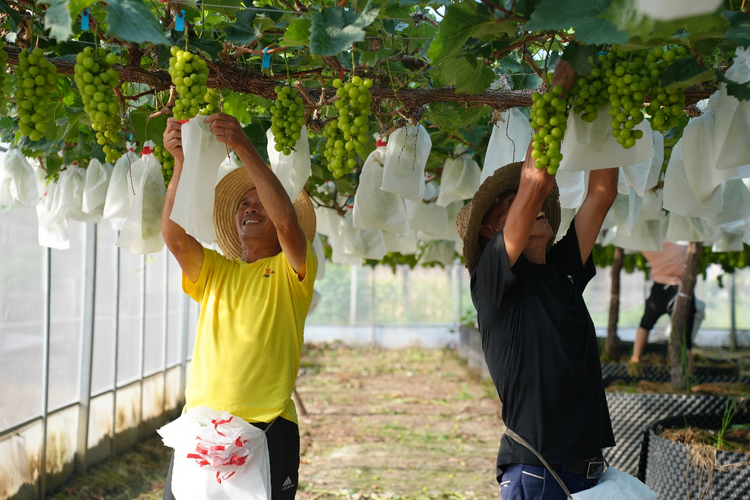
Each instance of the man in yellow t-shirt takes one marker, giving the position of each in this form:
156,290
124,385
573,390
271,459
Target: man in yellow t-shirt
253,299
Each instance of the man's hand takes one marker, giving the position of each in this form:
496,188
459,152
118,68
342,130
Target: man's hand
228,130
173,139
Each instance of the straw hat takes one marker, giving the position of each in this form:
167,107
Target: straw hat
470,217
229,192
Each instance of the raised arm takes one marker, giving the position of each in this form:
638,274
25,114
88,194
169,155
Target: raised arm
270,191
533,188
602,191
186,249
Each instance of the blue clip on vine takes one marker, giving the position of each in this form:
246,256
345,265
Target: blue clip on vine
179,21
266,59
85,20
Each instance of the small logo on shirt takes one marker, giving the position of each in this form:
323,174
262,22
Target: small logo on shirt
570,277
268,273
287,484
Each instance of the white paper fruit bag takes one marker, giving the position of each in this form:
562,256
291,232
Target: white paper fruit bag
442,252
373,207
460,179
68,196
293,170
680,228
733,118
141,233
193,208
509,140
404,244
405,159
678,193
217,456
18,184
53,233
590,146
117,202
95,189
356,244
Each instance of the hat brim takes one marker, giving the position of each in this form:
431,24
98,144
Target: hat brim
470,217
229,192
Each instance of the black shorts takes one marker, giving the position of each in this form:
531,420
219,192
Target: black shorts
283,451
656,306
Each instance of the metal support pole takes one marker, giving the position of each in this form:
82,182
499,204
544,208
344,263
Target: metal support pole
47,276
184,344
733,312
116,347
455,277
353,296
87,344
165,326
142,340
373,316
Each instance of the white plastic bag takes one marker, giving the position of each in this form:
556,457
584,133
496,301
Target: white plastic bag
17,180
733,117
678,193
293,170
509,140
373,207
627,211
317,246
217,456
52,233
460,179
680,228
572,187
141,233
193,208
405,158
356,244
117,201
404,244
590,146
616,485
442,252
95,189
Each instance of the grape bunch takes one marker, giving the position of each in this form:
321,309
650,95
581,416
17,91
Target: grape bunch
667,105
189,75
346,135
549,119
589,95
36,82
212,102
96,80
167,163
287,119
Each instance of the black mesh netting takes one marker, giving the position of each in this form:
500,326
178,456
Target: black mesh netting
631,414
674,472
612,372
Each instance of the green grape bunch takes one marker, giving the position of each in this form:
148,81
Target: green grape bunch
36,82
96,81
213,102
167,163
287,119
666,105
189,76
549,118
589,95
346,135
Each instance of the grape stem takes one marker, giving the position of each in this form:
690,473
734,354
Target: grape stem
167,109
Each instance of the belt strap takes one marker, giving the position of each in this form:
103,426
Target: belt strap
515,437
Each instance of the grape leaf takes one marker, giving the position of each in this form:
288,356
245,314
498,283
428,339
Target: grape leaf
57,19
297,33
148,129
12,13
739,90
467,74
740,30
242,31
334,29
586,17
237,105
132,21
579,57
684,73
460,23
445,116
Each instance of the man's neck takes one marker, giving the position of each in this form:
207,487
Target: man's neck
253,251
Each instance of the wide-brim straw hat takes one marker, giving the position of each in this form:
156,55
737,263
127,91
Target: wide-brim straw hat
470,217
229,193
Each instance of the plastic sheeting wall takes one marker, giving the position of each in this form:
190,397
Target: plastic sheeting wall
143,331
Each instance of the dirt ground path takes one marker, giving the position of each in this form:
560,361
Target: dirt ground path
381,424
396,424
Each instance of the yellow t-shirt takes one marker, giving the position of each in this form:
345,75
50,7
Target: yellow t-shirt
249,335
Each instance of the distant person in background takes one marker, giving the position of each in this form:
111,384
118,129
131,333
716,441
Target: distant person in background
667,268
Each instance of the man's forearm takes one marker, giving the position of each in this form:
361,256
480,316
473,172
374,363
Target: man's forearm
603,186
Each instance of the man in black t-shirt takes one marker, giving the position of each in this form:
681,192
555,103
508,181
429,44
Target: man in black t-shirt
538,338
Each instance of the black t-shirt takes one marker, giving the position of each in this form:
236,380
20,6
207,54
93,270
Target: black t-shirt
540,346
